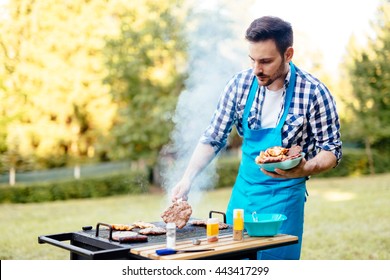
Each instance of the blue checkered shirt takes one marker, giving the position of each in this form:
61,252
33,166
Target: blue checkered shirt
312,121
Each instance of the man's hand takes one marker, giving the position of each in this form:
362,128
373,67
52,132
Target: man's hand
200,158
300,170
323,161
181,190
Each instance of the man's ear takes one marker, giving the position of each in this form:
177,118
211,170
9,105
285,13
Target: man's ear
288,55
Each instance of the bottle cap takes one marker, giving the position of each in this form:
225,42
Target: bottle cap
213,221
171,225
238,213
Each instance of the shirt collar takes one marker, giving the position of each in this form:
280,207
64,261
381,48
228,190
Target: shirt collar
287,79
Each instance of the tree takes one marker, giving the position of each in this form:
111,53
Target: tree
146,74
369,71
53,78
57,105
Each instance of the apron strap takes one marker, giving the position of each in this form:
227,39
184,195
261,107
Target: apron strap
249,102
289,95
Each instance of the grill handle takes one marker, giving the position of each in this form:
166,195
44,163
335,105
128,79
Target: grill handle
107,225
218,212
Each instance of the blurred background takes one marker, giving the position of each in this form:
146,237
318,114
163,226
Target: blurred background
103,98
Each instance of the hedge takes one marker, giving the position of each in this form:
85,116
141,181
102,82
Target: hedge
133,182
354,162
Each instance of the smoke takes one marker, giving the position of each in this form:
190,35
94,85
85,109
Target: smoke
213,60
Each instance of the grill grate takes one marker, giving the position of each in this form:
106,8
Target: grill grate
186,233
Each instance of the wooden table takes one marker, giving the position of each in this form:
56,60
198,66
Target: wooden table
225,248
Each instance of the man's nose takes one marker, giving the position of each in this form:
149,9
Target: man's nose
257,68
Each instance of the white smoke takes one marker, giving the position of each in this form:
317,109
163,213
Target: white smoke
214,58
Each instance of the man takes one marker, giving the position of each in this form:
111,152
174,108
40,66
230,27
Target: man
272,104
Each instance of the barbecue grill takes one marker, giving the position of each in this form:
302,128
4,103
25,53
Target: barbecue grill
97,244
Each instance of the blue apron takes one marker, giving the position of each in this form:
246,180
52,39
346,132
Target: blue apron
255,191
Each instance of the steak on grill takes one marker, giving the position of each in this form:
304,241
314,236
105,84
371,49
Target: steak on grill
179,213
143,225
203,223
153,231
128,237
122,227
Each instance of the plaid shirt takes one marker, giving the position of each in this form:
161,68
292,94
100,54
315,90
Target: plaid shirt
312,121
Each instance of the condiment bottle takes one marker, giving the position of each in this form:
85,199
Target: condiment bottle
238,224
212,229
171,235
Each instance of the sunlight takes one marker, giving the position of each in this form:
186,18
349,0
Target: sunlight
339,196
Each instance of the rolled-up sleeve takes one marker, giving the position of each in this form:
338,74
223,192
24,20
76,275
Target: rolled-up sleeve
325,123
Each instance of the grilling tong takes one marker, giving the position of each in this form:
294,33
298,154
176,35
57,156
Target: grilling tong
167,251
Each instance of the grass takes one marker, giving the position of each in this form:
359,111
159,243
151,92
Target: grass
345,218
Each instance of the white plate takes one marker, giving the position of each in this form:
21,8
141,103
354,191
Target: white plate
284,165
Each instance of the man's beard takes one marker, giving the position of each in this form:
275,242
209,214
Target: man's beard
278,74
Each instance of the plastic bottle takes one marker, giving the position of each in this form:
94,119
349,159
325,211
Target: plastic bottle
171,235
238,224
212,229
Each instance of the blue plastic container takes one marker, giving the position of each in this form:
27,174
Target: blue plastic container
263,224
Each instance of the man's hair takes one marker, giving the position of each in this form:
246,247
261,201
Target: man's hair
273,28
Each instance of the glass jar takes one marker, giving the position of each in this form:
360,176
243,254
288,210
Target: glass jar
171,235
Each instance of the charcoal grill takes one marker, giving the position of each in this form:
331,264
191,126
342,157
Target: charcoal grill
97,244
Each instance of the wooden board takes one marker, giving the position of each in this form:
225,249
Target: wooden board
224,245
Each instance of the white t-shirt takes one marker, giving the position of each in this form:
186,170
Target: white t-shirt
272,107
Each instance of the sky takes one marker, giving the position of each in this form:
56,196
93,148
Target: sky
323,25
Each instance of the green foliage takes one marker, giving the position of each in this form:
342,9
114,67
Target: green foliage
57,105
227,170
369,71
115,184
144,64
355,162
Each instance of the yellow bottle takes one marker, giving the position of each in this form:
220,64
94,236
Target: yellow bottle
212,229
238,224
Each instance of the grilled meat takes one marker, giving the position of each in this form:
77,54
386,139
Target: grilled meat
122,227
153,231
179,213
203,223
278,154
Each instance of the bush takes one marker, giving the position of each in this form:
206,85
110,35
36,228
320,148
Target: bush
227,169
133,182
355,162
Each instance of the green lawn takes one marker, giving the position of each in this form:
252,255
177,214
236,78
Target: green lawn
345,218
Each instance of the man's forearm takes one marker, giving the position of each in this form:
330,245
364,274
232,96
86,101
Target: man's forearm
201,157
323,161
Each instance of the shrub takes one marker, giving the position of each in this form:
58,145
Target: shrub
133,182
355,162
